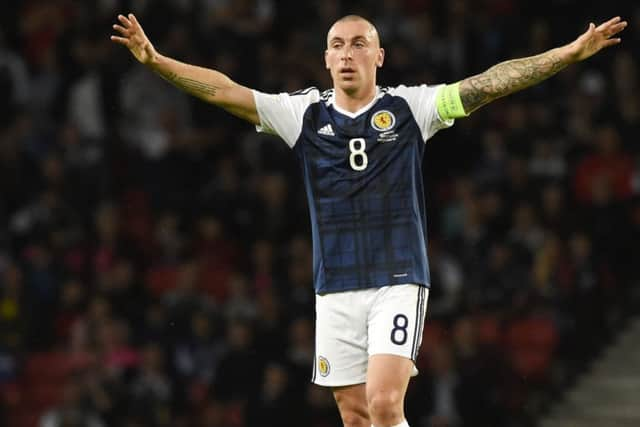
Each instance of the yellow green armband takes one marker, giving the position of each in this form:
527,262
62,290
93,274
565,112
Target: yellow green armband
449,103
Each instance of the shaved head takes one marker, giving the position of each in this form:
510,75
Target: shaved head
352,57
372,32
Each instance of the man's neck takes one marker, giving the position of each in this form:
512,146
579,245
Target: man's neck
353,102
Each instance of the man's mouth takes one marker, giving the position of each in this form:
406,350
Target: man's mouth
347,70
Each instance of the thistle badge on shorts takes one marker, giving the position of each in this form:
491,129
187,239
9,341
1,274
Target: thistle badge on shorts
323,366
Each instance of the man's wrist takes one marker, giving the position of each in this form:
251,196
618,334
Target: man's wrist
567,54
155,59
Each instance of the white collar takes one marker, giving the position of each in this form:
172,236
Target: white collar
332,100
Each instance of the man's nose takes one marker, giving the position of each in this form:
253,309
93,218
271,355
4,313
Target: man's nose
347,53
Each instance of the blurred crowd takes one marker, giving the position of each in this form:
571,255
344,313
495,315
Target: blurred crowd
155,263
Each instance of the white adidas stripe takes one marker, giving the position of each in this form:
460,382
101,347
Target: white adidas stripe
326,130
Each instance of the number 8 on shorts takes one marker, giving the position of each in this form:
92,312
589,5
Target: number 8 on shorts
351,326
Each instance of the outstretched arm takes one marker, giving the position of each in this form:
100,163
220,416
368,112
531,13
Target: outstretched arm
206,84
517,74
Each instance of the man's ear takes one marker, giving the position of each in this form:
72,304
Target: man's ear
326,64
380,60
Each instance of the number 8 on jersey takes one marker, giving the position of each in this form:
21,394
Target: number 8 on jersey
358,157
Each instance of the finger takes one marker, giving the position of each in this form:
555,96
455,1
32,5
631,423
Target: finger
609,23
121,29
614,20
120,40
611,42
133,19
124,21
618,27
614,29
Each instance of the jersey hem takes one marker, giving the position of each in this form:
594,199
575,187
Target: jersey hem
361,288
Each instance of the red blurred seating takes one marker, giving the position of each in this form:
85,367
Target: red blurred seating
160,280
530,344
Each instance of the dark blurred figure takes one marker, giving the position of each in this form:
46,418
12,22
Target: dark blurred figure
73,410
151,389
276,400
434,402
240,369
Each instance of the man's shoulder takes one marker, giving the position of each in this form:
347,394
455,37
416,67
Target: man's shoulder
312,96
326,95
403,89
413,94
303,98
306,91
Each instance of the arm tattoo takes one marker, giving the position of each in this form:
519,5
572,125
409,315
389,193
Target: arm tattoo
508,77
194,87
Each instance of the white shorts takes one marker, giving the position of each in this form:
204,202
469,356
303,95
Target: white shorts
353,325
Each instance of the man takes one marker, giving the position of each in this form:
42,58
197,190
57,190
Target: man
360,149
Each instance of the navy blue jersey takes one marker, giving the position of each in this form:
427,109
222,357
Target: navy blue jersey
363,177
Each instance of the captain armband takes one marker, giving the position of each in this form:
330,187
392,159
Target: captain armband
449,103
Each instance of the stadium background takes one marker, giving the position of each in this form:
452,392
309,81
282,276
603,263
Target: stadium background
155,256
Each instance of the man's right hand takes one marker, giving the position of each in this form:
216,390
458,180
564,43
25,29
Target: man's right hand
133,37
209,85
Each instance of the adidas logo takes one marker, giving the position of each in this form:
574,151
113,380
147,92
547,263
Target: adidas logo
326,130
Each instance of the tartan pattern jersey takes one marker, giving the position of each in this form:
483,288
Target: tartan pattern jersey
363,178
